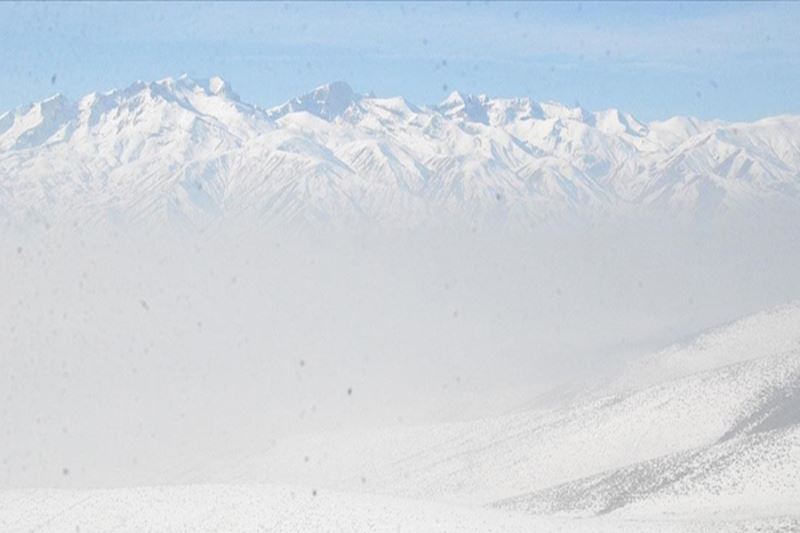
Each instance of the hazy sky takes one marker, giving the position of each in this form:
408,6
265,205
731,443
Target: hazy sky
727,60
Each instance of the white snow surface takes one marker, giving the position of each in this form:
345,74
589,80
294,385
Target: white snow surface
263,508
190,151
701,436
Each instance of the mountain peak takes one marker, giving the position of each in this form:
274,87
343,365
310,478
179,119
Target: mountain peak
454,98
326,101
217,85
335,88
469,107
213,86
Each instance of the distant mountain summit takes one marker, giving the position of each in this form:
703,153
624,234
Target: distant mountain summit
466,107
327,101
190,151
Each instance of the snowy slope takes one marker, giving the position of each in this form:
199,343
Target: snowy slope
702,436
191,151
748,458
755,474
715,419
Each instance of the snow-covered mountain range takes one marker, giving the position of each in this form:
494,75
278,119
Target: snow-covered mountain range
190,151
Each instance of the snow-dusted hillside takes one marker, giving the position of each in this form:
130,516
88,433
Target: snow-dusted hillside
701,427
191,151
701,436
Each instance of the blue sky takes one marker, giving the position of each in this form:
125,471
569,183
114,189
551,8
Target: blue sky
737,61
